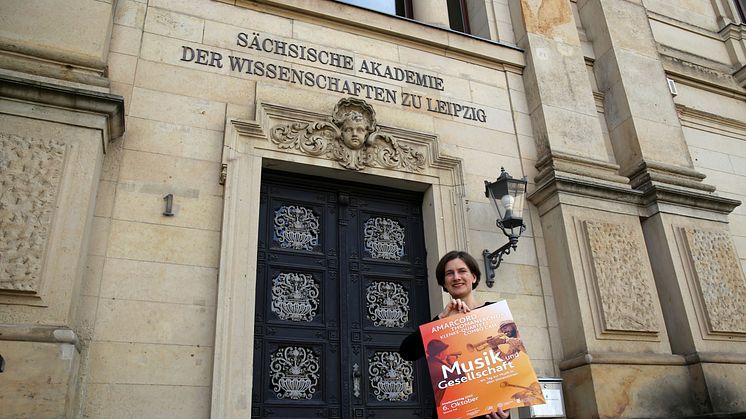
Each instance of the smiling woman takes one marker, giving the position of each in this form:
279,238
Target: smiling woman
458,273
401,8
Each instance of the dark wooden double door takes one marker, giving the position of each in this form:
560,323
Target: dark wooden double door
341,280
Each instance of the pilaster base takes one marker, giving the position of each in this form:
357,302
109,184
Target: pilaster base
41,367
657,386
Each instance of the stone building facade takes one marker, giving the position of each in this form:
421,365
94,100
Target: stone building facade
207,207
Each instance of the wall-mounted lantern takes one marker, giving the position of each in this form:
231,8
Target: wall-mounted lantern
508,197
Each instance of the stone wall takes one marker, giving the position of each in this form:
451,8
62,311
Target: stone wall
150,267
114,309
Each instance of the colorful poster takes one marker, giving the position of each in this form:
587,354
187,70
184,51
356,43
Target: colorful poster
477,361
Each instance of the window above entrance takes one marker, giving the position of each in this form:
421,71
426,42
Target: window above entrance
741,5
401,8
457,16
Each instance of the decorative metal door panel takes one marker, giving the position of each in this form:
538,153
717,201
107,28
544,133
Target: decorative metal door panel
341,280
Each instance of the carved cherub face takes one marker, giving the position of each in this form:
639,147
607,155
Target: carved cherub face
354,131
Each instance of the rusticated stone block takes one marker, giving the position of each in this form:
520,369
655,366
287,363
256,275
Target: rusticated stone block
719,279
621,277
30,173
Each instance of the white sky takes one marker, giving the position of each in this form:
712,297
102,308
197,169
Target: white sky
385,6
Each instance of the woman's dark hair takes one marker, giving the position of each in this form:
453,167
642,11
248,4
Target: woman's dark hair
471,263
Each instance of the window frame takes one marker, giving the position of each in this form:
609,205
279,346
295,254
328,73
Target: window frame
403,8
458,6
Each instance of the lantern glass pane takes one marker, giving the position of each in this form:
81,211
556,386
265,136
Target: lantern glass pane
517,191
496,191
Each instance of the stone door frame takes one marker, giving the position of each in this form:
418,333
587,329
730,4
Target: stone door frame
247,149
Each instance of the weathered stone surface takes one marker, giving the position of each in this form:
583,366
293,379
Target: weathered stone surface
675,37
30,175
143,302
43,29
242,18
622,277
549,18
140,363
147,401
57,262
174,25
122,67
158,243
173,139
701,14
130,13
724,387
156,282
36,378
629,391
125,40
183,110
191,82
643,124
720,278
135,321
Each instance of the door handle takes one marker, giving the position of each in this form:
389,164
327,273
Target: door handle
356,380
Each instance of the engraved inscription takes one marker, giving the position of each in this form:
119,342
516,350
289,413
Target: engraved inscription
720,279
30,173
622,280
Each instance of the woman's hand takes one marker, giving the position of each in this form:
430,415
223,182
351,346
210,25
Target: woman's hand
453,307
500,414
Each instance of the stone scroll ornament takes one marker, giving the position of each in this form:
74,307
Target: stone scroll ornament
351,137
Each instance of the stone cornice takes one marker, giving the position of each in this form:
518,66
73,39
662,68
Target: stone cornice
682,25
662,194
599,98
740,75
652,198
69,72
557,184
576,165
705,77
109,105
733,31
690,116
648,173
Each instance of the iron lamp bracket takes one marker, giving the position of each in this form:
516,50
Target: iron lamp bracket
492,260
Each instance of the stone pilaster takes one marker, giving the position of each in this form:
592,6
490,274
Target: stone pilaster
619,310
52,145
560,100
645,132
684,223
